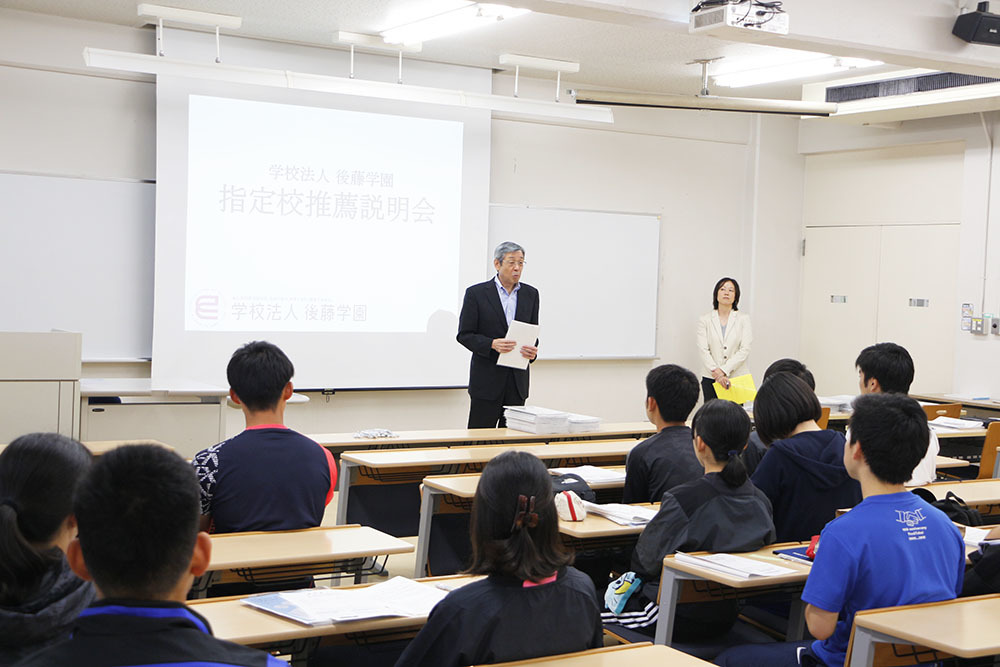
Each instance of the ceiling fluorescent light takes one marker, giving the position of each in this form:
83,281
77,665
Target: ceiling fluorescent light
189,16
790,71
706,102
472,16
544,64
374,42
147,64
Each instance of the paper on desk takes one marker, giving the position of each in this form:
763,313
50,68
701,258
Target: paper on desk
318,606
741,389
952,424
623,515
973,536
736,566
521,333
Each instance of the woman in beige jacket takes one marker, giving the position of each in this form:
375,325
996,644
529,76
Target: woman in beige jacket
724,338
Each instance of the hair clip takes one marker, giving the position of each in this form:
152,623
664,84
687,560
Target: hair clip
526,515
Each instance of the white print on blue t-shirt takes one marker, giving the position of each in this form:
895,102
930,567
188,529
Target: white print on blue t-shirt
912,520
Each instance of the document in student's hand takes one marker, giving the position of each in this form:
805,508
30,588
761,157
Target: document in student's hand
741,389
323,606
521,333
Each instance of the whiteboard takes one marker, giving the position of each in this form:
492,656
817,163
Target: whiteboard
596,273
77,255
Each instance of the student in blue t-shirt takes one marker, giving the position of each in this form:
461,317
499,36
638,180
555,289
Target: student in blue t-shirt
268,477
892,549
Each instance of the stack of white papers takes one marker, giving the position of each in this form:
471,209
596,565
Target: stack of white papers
583,423
839,403
623,515
322,606
593,474
735,566
536,420
953,424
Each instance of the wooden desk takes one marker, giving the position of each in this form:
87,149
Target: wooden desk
290,554
674,573
98,447
479,436
459,490
965,627
945,462
231,620
397,466
987,408
981,493
979,433
632,655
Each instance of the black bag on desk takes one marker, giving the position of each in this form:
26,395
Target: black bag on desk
954,507
573,482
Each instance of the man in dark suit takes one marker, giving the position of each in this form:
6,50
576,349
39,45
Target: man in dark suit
487,312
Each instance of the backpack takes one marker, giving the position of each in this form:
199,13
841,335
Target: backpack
954,507
573,482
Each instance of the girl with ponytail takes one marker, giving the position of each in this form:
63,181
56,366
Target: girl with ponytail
532,603
720,512
39,596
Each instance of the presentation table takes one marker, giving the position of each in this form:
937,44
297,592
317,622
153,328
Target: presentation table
268,556
234,621
632,655
410,466
965,627
675,573
458,491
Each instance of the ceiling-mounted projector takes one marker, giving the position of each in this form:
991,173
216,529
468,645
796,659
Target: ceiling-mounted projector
978,27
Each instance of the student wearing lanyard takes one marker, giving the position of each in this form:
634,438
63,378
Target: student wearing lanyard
487,311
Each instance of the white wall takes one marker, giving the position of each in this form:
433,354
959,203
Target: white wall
977,358
728,187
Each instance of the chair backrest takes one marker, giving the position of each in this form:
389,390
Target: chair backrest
988,458
943,410
824,418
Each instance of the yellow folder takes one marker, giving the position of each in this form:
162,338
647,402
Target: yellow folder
741,389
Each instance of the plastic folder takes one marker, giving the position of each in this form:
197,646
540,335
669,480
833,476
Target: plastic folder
741,389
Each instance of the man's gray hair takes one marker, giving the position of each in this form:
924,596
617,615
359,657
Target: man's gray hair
504,248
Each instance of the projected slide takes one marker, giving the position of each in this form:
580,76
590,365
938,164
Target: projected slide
303,219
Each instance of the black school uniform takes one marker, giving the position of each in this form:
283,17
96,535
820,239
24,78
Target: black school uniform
142,632
497,619
658,464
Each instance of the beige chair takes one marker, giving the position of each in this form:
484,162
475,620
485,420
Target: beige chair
989,456
943,410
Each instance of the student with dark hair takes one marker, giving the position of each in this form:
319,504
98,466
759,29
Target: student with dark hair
664,460
802,472
720,511
893,549
532,602
40,597
268,477
755,449
888,368
138,541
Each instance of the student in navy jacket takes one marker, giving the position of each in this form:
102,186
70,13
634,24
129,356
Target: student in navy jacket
137,511
802,473
532,603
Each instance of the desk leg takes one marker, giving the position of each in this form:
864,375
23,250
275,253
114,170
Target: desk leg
670,588
428,504
796,621
863,653
348,471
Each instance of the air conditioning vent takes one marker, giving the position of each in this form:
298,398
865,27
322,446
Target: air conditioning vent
903,86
